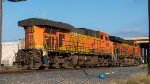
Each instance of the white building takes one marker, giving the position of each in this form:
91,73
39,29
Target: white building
8,52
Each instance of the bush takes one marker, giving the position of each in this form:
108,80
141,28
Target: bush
139,78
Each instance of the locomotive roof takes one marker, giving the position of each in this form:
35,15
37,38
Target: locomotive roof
121,40
41,22
130,42
90,32
88,29
116,39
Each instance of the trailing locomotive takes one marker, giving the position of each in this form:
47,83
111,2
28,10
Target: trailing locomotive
126,52
70,47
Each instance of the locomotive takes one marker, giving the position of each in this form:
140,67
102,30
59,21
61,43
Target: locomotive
70,47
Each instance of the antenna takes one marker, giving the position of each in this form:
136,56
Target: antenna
43,15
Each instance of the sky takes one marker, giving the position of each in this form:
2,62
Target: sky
122,18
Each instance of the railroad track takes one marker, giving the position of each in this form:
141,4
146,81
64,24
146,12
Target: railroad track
38,71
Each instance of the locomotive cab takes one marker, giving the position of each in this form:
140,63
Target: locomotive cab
106,44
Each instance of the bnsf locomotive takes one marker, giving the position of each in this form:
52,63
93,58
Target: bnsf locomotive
70,47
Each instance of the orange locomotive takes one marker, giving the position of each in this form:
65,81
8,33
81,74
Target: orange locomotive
67,46
126,52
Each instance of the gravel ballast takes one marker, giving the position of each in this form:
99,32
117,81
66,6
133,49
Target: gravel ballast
89,76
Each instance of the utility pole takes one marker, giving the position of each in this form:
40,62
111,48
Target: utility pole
0,31
149,38
1,25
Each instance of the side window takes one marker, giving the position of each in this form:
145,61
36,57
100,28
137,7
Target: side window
50,30
63,36
47,30
47,42
52,42
101,37
53,31
60,40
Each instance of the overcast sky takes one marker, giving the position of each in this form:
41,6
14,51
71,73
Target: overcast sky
123,18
